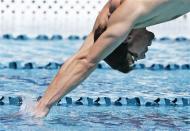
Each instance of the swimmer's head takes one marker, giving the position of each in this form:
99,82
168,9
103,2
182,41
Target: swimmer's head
138,42
139,35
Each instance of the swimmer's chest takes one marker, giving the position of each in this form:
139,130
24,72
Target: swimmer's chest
164,13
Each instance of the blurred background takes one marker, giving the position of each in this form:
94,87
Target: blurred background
66,17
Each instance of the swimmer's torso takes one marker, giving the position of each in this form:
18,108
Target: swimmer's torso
171,9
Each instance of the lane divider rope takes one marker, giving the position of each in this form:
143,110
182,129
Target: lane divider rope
55,37
54,65
104,101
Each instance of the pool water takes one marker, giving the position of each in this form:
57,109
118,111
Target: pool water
103,82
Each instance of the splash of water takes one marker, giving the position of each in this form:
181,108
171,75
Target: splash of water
27,111
24,115
27,107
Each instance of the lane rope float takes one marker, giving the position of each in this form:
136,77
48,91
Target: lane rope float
104,101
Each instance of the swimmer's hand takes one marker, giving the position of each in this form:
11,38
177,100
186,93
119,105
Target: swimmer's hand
33,109
40,110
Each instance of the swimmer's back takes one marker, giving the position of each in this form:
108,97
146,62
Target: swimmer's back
167,10
164,12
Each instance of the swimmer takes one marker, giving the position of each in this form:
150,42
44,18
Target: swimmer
111,30
132,48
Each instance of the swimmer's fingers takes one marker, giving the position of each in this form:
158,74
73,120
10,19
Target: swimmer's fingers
40,111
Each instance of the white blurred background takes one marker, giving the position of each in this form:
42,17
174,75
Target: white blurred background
67,17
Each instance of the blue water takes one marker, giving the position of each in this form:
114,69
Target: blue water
103,82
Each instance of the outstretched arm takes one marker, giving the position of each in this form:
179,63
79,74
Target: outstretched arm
120,24
101,21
